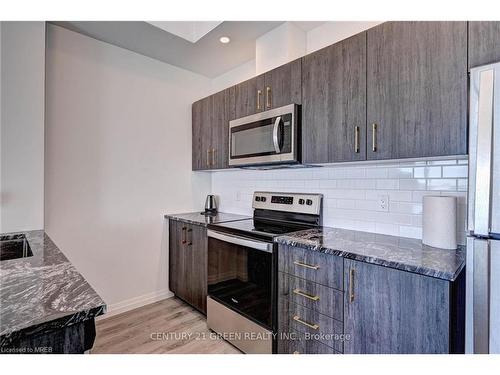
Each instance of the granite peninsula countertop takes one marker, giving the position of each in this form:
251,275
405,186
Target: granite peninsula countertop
395,252
43,292
199,219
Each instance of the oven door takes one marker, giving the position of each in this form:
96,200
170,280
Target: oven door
241,276
264,138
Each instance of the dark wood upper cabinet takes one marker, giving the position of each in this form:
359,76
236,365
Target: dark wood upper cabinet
283,85
484,43
334,102
247,98
202,134
276,88
220,129
210,126
416,89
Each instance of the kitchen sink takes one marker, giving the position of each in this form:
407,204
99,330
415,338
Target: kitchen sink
14,246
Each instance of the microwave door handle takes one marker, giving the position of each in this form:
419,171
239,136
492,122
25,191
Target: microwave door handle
275,135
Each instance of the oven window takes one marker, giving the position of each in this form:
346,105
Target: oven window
241,278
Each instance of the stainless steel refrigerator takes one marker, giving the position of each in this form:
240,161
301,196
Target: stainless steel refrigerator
483,221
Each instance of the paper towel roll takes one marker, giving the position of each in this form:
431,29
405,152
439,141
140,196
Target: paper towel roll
440,222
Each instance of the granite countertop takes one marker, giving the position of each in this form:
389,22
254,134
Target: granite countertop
395,252
43,292
199,219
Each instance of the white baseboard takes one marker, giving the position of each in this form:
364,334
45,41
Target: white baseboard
135,302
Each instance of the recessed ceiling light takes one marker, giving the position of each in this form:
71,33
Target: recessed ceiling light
224,39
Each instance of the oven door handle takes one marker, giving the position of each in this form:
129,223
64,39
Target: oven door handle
257,245
276,140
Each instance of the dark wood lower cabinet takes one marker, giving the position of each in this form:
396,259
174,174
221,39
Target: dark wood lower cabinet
188,263
392,311
380,310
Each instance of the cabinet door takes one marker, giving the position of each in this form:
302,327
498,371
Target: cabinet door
391,311
417,89
283,85
196,267
334,102
219,121
247,98
484,43
176,258
202,133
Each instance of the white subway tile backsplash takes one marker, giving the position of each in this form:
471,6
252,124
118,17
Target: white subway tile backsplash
402,172
413,184
351,192
441,184
455,171
427,172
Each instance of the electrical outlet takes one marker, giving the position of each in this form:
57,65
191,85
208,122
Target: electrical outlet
383,203
238,196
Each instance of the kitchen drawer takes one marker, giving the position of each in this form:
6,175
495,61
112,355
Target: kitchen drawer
296,343
297,318
312,265
317,297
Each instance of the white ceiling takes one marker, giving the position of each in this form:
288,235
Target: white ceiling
192,31
191,45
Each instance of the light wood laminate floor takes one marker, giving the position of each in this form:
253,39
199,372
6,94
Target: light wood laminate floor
168,326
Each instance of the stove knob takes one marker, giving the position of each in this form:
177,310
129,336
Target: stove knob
257,199
301,201
262,199
309,202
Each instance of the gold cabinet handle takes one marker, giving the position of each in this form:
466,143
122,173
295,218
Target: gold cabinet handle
296,352
305,265
306,295
374,137
268,97
208,157
183,240
351,285
213,157
259,95
356,139
191,237
303,322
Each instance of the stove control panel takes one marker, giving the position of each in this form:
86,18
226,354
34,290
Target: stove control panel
289,202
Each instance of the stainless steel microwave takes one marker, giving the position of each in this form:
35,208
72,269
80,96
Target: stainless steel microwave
269,137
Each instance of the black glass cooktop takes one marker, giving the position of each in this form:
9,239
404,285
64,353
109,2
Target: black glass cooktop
259,228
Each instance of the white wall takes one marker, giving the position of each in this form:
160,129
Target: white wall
118,157
351,192
284,43
334,31
22,125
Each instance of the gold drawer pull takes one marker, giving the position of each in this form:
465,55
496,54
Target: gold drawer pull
296,352
306,295
298,320
297,263
259,94
374,137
